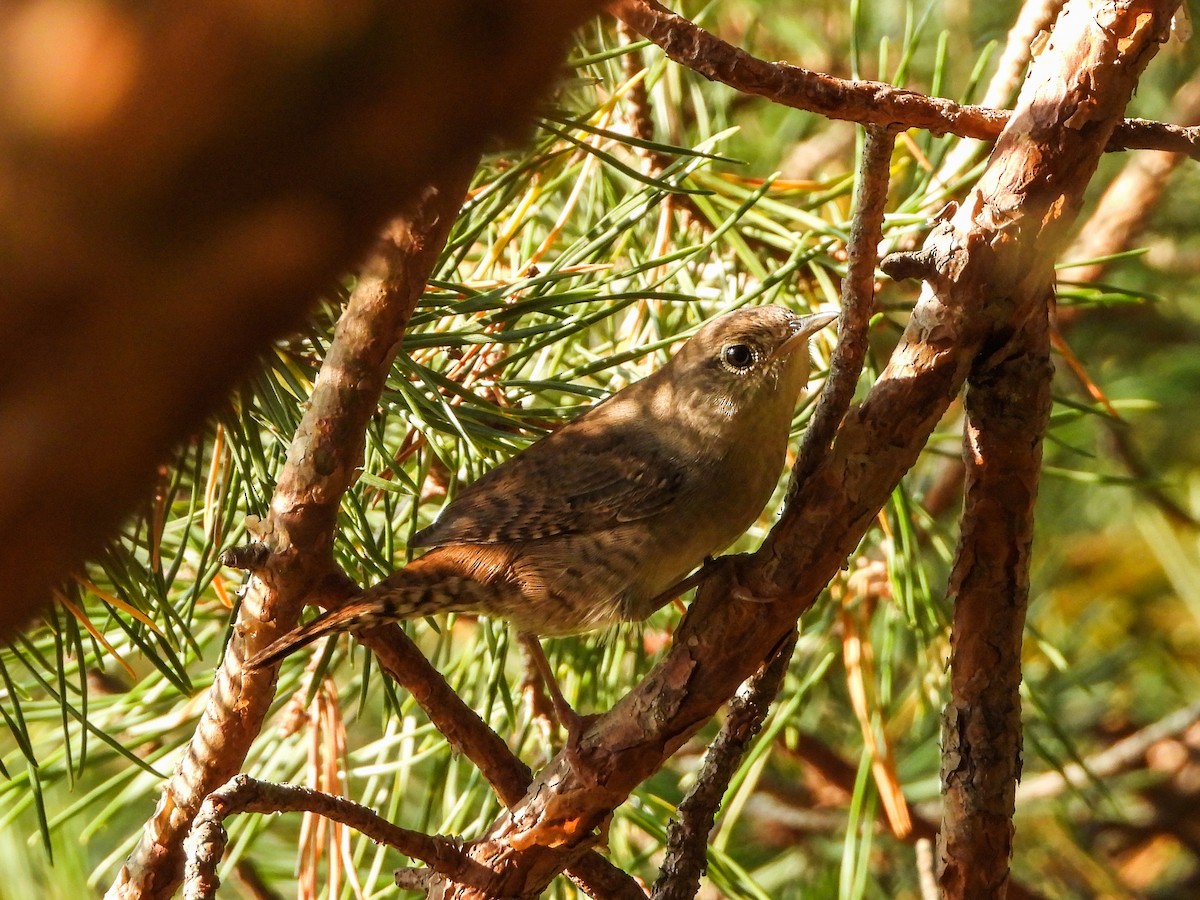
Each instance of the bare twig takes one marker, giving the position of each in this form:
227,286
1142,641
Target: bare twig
866,102
206,843
1125,754
687,838
858,302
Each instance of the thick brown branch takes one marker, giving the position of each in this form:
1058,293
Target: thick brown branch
322,463
994,258
865,102
206,843
1008,408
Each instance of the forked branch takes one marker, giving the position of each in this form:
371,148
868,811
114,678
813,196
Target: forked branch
207,841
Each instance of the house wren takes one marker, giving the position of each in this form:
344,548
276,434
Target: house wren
595,522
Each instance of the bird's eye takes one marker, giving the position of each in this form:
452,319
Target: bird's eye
738,356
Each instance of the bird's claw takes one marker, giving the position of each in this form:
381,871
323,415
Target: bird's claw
739,591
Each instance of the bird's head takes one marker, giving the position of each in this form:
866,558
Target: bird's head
750,360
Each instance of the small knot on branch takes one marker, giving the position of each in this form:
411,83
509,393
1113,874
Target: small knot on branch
411,878
903,265
248,558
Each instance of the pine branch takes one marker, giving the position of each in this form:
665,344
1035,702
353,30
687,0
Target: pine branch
858,304
865,102
1008,407
323,463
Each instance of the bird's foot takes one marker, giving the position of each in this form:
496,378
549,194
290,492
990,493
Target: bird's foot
677,590
575,726
570,721
768,593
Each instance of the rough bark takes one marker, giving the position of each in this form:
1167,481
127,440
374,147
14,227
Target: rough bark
1008,408
1076,91
857,301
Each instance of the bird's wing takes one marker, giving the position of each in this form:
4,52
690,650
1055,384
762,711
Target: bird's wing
576,480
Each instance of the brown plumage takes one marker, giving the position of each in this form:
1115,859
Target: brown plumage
593,523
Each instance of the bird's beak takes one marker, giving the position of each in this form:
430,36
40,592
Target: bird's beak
802,329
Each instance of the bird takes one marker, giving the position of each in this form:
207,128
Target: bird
596,522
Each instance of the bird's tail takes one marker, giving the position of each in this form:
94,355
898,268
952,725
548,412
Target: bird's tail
438,582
